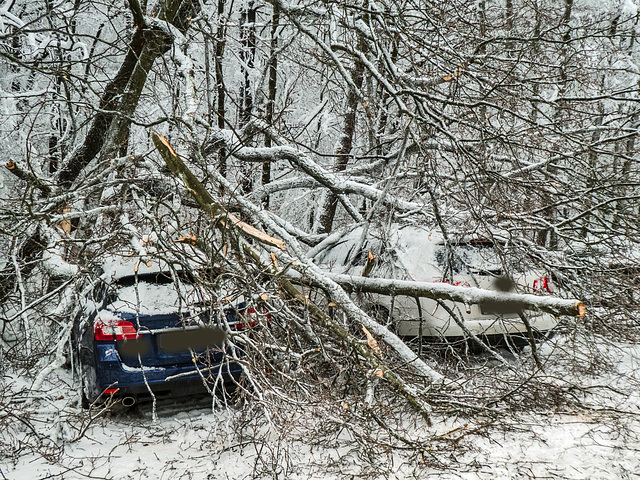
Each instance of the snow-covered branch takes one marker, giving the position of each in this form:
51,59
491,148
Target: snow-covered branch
335,292
334,182
467,295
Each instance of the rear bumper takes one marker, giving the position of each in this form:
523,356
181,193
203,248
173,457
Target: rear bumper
486,326
176,380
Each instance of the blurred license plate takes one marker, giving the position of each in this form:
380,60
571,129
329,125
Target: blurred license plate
196,339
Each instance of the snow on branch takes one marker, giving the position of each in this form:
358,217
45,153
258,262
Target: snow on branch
53,256
468,295
334,182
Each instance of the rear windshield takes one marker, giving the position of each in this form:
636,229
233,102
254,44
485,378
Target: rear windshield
155,294
472,257
158,278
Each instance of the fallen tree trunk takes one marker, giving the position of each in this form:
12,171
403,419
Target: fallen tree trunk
214,209
506,301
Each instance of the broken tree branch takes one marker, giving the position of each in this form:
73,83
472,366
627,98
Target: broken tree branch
353,312
204,199
28,177
468,295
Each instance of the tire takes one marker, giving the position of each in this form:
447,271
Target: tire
79,378
83,368
84,401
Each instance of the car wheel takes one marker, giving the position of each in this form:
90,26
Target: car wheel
83,369
79,374
84,401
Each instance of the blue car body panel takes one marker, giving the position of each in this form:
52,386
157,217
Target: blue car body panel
111,372
144,363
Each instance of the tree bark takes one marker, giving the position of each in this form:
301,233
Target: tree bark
343,151
468,295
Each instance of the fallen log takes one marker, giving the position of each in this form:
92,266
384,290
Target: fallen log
505,301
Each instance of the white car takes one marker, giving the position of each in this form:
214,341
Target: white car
416,253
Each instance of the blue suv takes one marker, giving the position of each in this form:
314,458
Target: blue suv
146,330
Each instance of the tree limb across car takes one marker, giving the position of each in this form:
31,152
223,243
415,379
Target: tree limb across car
513,301
335,286
468,295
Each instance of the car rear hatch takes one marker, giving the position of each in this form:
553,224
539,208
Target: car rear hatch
161,322
170,340
477,263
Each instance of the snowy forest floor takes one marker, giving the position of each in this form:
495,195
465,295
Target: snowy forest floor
45,434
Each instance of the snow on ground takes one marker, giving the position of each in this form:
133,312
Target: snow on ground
190,440
559,446
198,444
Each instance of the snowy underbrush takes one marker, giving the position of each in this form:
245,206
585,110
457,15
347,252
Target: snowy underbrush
577,417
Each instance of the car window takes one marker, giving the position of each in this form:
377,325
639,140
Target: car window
360,256
472,257
347,253
155,294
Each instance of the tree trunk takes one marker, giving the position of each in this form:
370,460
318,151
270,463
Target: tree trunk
343,151
272,87
220,86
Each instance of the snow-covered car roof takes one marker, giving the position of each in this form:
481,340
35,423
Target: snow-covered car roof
413,248
408,251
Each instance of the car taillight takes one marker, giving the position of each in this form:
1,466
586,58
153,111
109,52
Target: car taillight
248,319
543,285
111,330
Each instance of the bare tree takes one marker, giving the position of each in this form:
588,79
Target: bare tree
130,129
